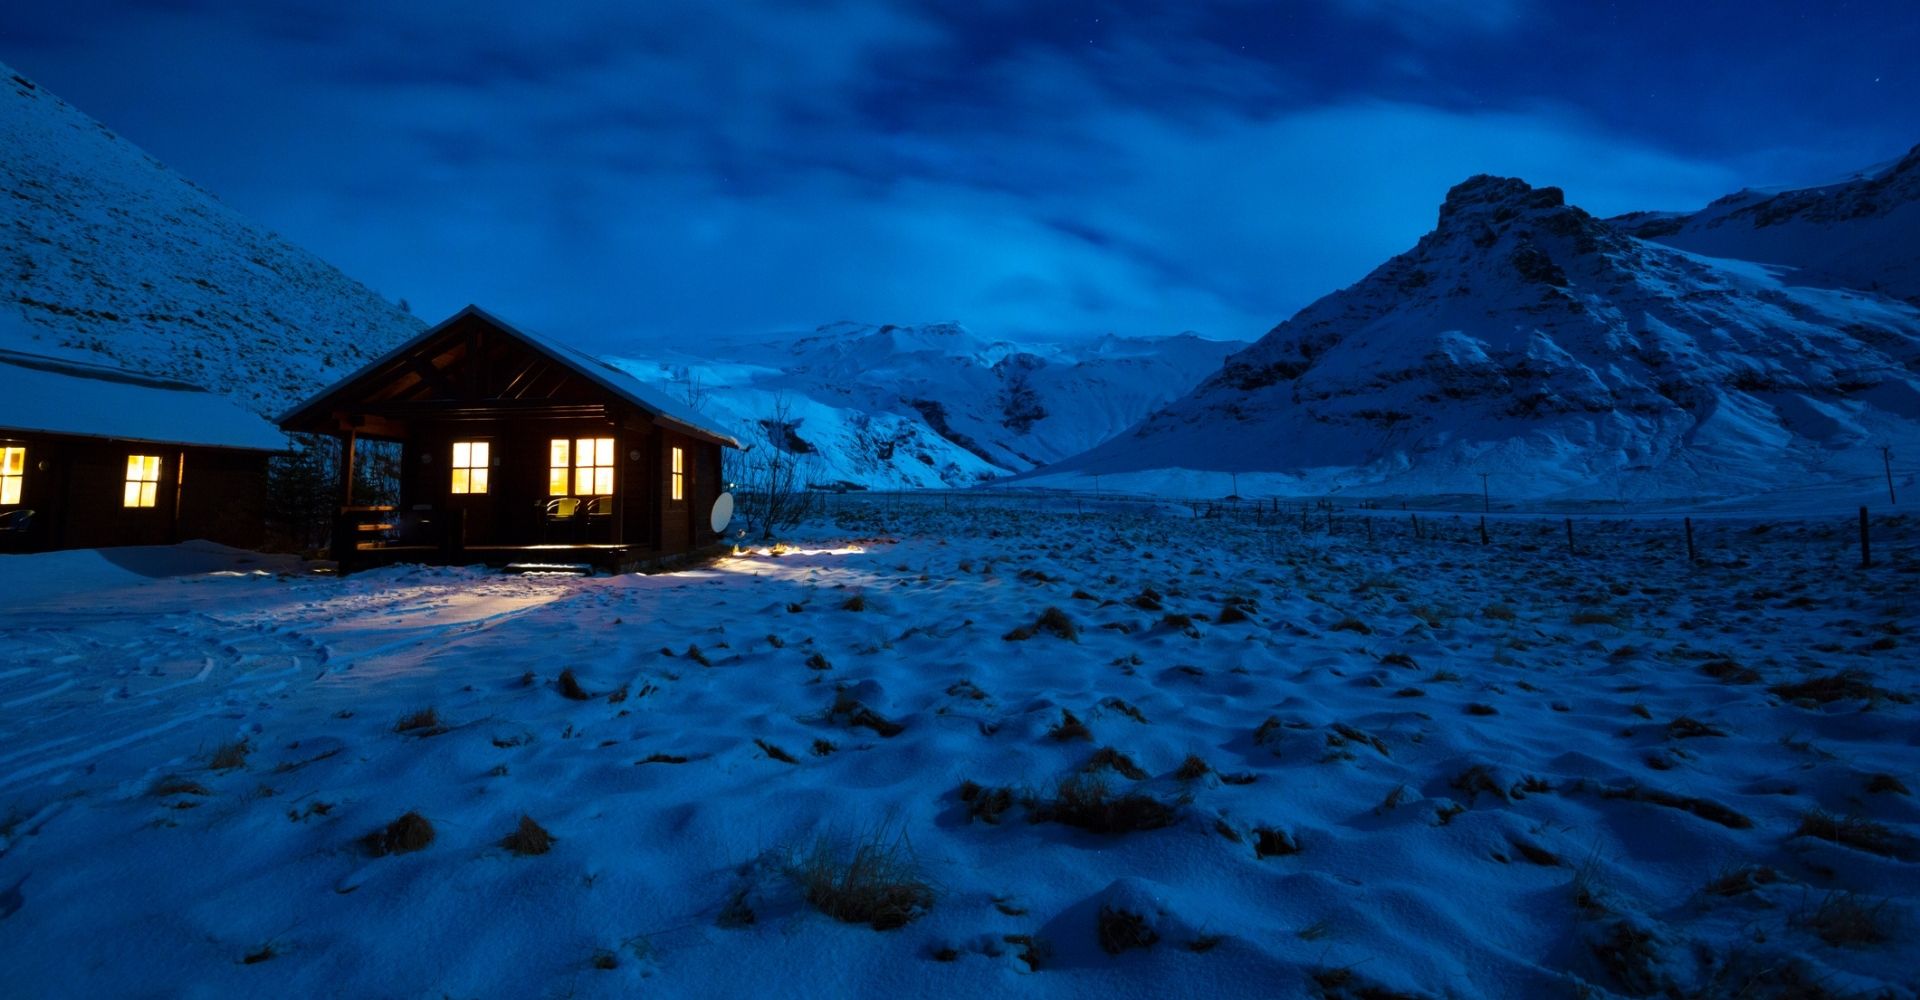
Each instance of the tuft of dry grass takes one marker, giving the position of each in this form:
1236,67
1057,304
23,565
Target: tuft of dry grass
1126,709
1740,880
1729,672
1352,624
1632,955
1120,930
1851,831
875,881
1052,621
229,756
1069,728
857,602
529,838
1882,784
1535,854
176,785
1706,809
1108,757
1270,842
1085,801
1850,920
425,722
984,803
1686,728
1481,708
1847,685
570,687
265,953
411,832
818,661
850,712
693,653
774,751
1192,769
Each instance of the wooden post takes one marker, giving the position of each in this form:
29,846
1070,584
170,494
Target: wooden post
1416,527
1886,460
1486,499
1866,551
1570,536
1690,557
347,444
1483,529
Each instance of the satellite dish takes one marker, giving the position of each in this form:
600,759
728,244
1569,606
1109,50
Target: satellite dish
722,512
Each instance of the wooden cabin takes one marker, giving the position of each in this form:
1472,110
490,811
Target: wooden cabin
515,449
93,456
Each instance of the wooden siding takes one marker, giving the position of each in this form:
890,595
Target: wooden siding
76,488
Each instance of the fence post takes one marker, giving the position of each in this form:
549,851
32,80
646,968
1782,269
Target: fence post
1570,550
1866,552
1416,527
1690,557
1483,529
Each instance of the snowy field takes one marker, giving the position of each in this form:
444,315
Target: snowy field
1118,754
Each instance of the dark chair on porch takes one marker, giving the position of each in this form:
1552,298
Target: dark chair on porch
16,530
599,519
562,521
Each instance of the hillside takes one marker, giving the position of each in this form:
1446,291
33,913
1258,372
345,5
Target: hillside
1526,339
935,405
1860,232
109,255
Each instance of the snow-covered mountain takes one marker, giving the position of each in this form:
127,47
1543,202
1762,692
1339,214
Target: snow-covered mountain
1526,339
1862,231
935,405
109,255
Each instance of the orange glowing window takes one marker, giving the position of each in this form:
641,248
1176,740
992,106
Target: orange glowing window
13,470
679,474
591,466
470,466
143,481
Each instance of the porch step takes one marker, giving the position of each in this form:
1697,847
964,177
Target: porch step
550,569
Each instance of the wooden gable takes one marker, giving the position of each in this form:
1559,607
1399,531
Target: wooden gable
466,368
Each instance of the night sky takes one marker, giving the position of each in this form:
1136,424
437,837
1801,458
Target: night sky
621,173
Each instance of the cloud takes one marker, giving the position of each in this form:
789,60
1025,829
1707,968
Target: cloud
1418,18
657,172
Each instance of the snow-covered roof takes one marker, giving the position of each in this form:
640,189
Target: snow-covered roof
62,396
608,377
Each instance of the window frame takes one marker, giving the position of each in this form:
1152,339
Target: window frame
479,458
678,475
13,474
596,471
140,486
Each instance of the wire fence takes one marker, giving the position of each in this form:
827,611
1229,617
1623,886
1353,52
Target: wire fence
1876,537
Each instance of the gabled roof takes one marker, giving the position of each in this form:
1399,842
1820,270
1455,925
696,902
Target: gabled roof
620,383
62,396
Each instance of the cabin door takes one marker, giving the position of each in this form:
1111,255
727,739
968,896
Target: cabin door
473,484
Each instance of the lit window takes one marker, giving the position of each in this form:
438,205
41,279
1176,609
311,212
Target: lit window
13,466
559,466
679,474
593,467
143,481
470,466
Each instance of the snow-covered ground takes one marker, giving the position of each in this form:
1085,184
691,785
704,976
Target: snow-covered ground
1339,764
